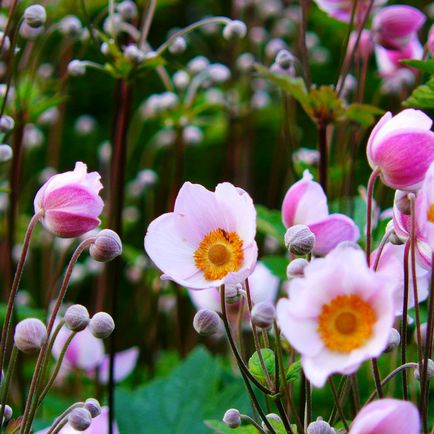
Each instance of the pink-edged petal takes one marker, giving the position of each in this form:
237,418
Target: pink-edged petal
206,299
69,225
124,363
331,231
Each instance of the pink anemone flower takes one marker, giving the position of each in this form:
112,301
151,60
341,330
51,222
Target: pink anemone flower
401,147
387,416
209,238
70,202
425,208
306,203
342,9
338,315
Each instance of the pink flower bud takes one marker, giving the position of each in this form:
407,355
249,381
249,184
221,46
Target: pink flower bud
76,318
102,325
106,247
395,26
93,407
70,202
232,418
30,335
80,419
402,148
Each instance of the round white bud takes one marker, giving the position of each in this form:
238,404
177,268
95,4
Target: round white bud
6,124
127,9
394,340
93,407
232,293
80,419
101,325
181,79
106,247
263,314
134,54
7,414
6,153
219,73
192,135
178,45
320,427
6,42
430,371
35,16
76,318
206,322
284,59
197,64
70,26
30,335
76,68
236,29
232,418
296,268
299,240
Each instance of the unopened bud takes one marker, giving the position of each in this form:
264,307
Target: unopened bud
76,318
178,45
232,293
134,54
284,59
192,135
7,414
6,124
30,335
6,42
402,202
6,153
181,79
395,239
299,240
296,268
320,427
232,418
102,325
236,29
430,371
76,68
70,26
127,9
394,340
80,419
106,247
270,416
35,16
93,407
263,314
206,322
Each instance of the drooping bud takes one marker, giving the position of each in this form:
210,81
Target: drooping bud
402,202
76,318
270,416
296,268
101,325
430,371
263,314
6,124
93,407
80,419
232,418
127,9
6,153
30,335
134,54
70,26
7,414
206,322
394,340
284,59
76,68
178,45
106,247
236,29
299,240
192,135
320,427
232,293
35,16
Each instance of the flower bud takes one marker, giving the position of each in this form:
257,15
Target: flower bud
320,427
76,68
35,16
192,135
6,124
7,415
76,318
232,418
206,322
70,26
101,325
6,153
178,45
181,79
394,340
263,314
197,64
127,10
232,293
430,371
30,335
402,202
270,416
236,29
299,240
284,59
93,407
134,54
218,73
296,268
106,247
80,419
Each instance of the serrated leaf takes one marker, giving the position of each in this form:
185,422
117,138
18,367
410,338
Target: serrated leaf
422,65
325,104
293,371
363,114
422,96
220,427
277,265
255,366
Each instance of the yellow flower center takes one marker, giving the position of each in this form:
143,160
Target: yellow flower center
346,323
430,214
219,253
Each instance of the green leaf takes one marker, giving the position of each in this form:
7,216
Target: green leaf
363,114
279,427
422,65
277,265
293,371
269,222
220,427
325,104
422,96
196,390
255,366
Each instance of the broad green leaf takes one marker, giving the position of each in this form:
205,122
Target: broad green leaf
279,427
277,265
422,65
293,371
255,366
363,114
220,427
422,96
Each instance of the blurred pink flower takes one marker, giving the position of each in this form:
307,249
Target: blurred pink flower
395,26
338,315
208,240
306,203
342,9
387,416
100,425
263,284
365,45
425,208
70,202
402,147
430,41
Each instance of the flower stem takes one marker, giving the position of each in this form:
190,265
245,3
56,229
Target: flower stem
404,321
252,422
377,378
338,404
7,382
370,192
323,152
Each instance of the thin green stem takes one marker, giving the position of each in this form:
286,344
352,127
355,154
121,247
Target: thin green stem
370,192
7,382
252,422
338,404
377,377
